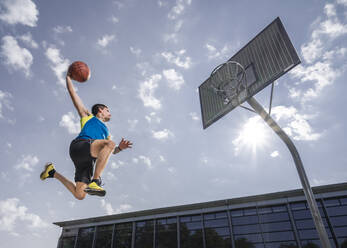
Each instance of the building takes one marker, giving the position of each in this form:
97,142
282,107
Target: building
276,220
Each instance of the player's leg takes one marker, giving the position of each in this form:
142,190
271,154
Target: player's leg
77,189
101,150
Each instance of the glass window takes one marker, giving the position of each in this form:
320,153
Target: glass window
279,208
166,234
209,216
277,226
172,220
216,223
235,213
196,217
245,220
185,219
336,211
123,233
302,214
264,210
103,236
288,244
250,211
144,234
191,233
221,215
245,229
341,231
338,220
278,236
342,242
331,202
310,244
343,200
264,218
249,237
311,234
217,237
305,224
67,242
190,238
298,206
85,237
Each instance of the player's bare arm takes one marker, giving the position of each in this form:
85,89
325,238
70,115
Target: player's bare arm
81,109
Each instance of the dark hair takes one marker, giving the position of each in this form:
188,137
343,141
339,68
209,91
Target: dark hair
95,108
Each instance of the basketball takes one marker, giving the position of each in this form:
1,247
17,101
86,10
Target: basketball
79,71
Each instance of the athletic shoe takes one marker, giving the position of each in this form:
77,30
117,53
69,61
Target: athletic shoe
94,189
48,172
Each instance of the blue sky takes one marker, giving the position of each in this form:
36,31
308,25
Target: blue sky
147,60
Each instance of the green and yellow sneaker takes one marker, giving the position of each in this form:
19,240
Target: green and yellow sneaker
48,172
95,189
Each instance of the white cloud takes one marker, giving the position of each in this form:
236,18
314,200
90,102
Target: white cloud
11,212
107,207
178,8
297,125
62,29
28,40
175,79
342,2
5,102
105,40
123,208
162,135
177,59
274,154
114,19
28,162
14,56
19,11
161,158
135,51
213,52
135,160
147,161
321,74
118,4
132,124
110,176
59,65
152,117
117,164
312,50
194,116
146,92
71,123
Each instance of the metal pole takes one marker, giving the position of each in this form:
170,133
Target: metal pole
323,236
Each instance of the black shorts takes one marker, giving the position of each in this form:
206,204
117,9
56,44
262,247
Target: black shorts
83,160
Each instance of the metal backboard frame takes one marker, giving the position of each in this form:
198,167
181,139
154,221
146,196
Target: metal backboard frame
268,56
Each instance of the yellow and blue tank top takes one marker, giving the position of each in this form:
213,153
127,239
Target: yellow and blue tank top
92,128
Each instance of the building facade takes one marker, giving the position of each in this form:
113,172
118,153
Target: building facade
276,220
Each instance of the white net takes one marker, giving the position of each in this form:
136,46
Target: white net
227,80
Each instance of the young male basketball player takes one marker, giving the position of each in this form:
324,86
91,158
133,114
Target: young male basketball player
92,146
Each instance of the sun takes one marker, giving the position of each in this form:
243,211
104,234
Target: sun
252,134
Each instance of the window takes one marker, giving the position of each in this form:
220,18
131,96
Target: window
103,236
144,234
166,233
85,237
67,242
123,234
217,231
191,231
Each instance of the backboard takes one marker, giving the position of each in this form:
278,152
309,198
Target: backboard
268,56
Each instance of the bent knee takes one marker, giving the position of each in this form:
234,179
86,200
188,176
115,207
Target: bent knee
80,197
110,144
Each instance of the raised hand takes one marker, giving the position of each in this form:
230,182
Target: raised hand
124,144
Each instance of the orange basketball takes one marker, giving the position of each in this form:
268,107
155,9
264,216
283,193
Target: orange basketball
79,71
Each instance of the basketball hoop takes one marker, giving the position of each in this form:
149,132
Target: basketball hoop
227,81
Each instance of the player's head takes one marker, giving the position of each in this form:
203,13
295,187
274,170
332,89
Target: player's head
101,111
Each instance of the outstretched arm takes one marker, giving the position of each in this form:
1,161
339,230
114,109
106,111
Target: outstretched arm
77,102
